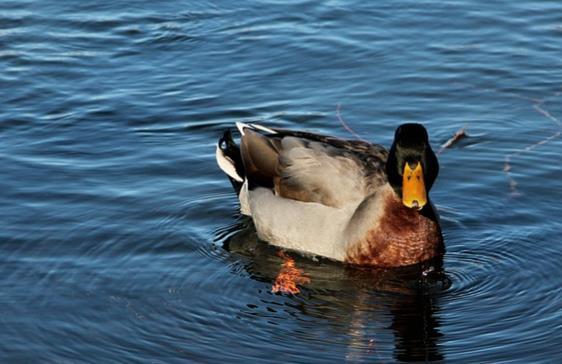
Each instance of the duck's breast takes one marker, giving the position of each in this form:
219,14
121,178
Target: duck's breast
402,236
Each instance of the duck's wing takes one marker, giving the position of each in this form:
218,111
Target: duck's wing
310,167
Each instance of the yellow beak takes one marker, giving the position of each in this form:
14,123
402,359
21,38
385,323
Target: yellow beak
414,194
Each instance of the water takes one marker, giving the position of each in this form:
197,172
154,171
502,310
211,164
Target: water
120,237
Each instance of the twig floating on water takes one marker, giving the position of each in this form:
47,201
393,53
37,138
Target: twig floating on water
538,106
460,134
344,124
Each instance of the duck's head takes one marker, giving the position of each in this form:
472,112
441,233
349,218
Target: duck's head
412,166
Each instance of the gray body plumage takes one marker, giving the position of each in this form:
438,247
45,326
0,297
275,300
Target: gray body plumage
311,193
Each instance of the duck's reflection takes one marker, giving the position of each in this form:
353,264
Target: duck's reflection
416,328
361,304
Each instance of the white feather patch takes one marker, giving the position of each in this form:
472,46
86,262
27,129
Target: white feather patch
241,127
227,165
263,128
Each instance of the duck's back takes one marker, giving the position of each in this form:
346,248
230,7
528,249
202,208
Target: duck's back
312,168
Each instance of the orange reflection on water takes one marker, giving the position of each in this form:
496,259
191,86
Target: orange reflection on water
289,276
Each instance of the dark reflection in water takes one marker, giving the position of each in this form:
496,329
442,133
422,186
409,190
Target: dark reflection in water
415,325
408,296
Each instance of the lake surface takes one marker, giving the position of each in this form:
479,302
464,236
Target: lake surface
120,237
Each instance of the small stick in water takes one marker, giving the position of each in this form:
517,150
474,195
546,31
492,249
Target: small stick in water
538,106
344,124
460,134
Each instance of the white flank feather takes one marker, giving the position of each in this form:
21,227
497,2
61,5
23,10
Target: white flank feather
244,202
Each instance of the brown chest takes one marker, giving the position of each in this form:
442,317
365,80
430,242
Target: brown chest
401,237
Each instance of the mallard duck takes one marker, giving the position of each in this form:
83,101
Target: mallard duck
347,200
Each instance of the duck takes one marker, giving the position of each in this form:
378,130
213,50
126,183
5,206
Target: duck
346,200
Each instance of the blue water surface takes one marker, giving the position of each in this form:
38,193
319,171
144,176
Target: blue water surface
120,238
